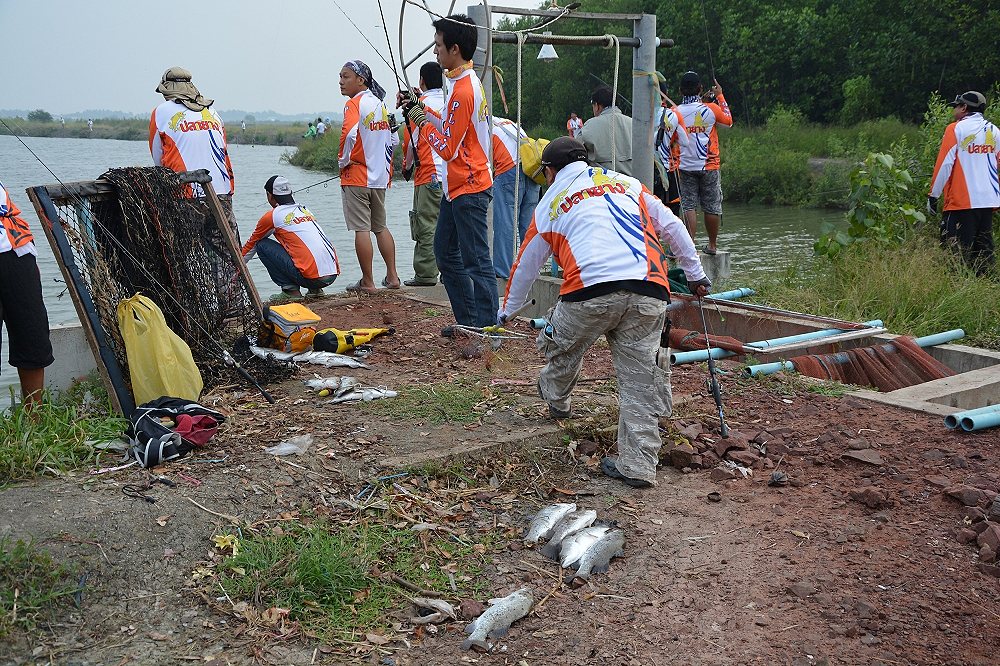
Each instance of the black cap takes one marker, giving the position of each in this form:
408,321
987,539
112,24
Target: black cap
690,79
562,151
972,99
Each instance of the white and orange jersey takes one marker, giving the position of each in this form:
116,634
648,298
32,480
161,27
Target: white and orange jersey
299,233
507,137
429,164
461,135
573,127
602,226
366,142
16,234
967,165
701,121
185,140
675,137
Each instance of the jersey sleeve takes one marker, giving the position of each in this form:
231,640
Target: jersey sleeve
535,250
670,228
155,143
348,133
723,115
947,155
680,135
458,120
265,227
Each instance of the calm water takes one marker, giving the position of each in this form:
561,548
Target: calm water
758,237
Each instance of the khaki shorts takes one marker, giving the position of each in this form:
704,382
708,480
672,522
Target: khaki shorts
364,208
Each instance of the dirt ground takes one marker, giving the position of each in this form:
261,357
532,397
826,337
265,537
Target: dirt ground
871,561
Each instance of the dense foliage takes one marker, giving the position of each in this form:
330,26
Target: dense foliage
833,60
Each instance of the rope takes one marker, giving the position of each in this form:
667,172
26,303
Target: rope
654,95
613,39
516,241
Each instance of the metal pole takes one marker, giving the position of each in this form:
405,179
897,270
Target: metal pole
645,100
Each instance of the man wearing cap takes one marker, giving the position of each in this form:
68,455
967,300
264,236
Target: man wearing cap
22,309
428,171
605,230
367,140
186,134
608,135
701,183
966,174
300,254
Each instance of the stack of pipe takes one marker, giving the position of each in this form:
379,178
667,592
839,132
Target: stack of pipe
974,419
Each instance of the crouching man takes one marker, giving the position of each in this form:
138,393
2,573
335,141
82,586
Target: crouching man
604,229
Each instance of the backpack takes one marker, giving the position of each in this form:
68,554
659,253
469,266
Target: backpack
153,438
288,328
530,151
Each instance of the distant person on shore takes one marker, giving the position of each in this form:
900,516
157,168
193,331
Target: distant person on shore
22,309
670,135
186,134
701,182
320,128
509,214
367,140
574,125
243,125
311,132
608,135
90,124
966,174
462,138
300,254
428,171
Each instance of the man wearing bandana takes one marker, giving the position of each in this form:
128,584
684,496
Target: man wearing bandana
367,140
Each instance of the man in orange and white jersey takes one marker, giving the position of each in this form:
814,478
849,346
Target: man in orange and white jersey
461,136
574,125
670,136
966,173
300,254
367,140
605,230
427,169
701,183
507,212
22,310
186,134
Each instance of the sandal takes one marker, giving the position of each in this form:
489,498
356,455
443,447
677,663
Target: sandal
709,252
385,283
358,288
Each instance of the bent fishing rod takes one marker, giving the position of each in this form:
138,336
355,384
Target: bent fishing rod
713,379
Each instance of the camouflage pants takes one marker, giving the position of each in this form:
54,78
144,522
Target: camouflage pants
632,325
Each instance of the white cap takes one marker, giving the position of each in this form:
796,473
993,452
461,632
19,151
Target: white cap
281,186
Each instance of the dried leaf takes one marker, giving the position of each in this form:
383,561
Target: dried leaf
162,521
377,639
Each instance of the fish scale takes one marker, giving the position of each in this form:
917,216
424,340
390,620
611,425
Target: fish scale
496,620
545,520
570,523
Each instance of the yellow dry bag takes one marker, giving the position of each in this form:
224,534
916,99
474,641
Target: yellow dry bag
530,151
159,362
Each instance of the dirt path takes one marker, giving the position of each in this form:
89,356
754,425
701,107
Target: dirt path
852,563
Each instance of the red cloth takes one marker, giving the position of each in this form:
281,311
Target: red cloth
196,429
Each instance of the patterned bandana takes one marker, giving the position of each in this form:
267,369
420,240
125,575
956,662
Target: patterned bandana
365,72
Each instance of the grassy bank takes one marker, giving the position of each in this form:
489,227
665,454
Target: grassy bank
33,587
320,154
267,134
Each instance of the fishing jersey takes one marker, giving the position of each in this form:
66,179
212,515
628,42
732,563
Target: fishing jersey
507,137
461,135
675,136
573,127
298,232
430,166
185,140
966,168
602,226
16,235
366,143
701,121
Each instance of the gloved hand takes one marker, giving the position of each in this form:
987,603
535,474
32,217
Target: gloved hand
700,287
393,123
932,203
416,115
405,99
407,172
501,317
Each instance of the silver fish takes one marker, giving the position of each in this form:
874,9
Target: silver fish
546,519
362,394
575,545
496,620
571,522
597,558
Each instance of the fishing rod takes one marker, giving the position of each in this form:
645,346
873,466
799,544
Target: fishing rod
303,189
602,81
225,356
713,379
402,84
708,41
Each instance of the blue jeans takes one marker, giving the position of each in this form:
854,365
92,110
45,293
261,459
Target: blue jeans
282,269
503,215
462,250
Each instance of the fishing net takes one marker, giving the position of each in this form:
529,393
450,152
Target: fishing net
887,367
147,234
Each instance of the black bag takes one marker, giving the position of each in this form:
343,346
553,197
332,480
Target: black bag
152,441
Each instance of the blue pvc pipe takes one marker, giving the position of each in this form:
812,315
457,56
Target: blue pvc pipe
987,419
734,294
841,357
698,355
954,420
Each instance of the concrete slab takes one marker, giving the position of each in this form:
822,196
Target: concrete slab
73,358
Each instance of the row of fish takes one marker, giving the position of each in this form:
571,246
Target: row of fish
574,540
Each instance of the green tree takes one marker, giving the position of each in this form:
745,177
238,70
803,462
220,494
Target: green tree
40,116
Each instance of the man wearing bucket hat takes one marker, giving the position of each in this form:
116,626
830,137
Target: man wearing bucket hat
186,134
605,228
966,174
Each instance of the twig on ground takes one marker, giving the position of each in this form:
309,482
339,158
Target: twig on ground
233,519
402,582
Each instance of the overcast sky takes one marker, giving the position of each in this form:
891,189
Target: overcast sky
74,55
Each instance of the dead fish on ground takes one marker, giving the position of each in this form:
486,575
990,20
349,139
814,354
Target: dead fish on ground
597,558
575,545
568,524
327,359
361,394
432,611
545,520
329,383
496,620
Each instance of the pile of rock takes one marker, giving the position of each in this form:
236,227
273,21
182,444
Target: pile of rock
691,446
980,519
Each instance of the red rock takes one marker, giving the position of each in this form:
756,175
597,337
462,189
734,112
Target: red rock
681,455
966,495
990,537
873,498
733,442
802,589
964,536
867,456
470,609
989,569
939,481
692,431
987,554
973,514
745,458
586,447
724,474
